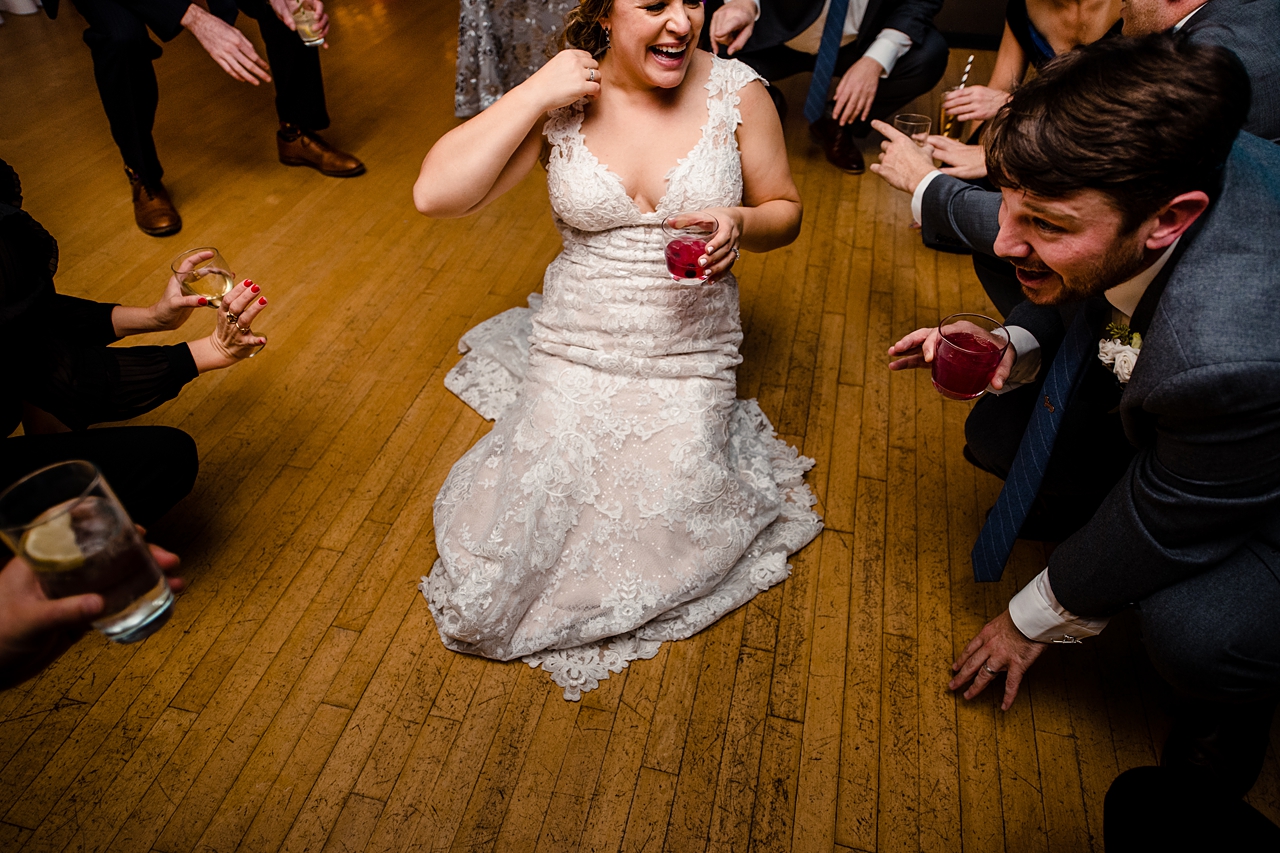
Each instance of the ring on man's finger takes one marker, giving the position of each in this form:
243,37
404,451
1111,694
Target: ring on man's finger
989,670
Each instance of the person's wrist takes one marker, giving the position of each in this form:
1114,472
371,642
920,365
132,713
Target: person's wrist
209,354
192,16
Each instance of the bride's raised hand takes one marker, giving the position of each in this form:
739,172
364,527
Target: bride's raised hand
568,76
722,248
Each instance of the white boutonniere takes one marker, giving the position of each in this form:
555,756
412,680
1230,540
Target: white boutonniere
1119,350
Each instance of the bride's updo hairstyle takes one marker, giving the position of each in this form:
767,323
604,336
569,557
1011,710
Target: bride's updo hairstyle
582,28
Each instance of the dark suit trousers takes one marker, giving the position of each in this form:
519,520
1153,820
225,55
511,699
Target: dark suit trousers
917,72
123,53
150,468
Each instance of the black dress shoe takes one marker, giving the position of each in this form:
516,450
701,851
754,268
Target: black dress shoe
838,144
1224,744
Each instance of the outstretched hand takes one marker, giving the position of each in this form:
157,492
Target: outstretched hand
227,45
903,163
919,348
999,648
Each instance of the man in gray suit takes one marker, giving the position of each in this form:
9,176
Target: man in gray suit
1248,28
1128,194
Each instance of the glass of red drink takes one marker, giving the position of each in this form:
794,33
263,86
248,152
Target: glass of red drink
687,236
968,354
65,521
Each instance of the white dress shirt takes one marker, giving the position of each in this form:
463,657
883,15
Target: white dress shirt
889,46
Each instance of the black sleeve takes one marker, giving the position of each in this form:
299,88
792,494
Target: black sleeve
913,17
81,386
82,320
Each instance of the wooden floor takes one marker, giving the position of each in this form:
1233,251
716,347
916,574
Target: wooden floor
300,699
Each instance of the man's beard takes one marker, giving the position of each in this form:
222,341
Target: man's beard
1124,261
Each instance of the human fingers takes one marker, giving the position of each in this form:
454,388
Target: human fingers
889,132
1004,368
194,260
166,560
981,678
72,610
1012,682
255,307
910,341
744,35
240,297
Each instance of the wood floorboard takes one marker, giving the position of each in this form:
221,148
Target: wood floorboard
300,698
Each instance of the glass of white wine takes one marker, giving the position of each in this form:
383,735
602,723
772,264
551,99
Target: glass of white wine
204,272
304,17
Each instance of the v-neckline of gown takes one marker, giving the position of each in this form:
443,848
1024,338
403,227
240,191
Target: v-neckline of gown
601,168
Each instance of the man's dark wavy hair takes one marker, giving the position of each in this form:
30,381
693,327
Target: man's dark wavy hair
1142,120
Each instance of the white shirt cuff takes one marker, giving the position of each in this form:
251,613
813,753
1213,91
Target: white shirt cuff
890,46
757,5
1039,616
917,197
1026,366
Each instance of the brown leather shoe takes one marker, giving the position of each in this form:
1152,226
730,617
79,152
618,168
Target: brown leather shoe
152,209
302,148
838,144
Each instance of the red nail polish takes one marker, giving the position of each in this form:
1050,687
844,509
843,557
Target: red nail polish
203,301
248,283
255,288
262,301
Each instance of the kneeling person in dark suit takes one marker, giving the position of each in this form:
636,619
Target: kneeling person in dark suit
886,53
1129,198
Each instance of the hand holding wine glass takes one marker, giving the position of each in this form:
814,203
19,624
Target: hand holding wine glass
175,305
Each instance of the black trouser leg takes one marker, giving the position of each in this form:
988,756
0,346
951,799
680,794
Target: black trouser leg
1155,808
294,67
150,468
122,55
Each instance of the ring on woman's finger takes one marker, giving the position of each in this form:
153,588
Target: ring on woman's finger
989,670
737,254
234,319
242,329
591,75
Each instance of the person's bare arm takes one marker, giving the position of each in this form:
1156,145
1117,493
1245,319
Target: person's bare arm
481,159
771,203
979,103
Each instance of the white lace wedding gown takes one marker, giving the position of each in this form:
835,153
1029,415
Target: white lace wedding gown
624,496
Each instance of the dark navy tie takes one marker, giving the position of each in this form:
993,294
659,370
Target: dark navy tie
824,67
995,542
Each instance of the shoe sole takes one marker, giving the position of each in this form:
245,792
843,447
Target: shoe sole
161,232
350,173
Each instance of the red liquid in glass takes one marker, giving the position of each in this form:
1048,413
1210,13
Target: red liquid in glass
964,365
682,258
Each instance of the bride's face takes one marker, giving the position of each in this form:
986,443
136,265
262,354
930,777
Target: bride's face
655,39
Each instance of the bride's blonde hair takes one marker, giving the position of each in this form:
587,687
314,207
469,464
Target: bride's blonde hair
582,27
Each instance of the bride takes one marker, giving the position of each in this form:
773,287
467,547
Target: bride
624,496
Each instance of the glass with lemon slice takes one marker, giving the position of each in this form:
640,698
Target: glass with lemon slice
67,523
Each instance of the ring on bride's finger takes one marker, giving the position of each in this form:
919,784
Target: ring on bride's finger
591,75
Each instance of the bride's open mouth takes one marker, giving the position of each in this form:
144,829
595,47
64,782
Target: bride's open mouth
669,55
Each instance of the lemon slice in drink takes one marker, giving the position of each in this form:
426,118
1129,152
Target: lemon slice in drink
53,545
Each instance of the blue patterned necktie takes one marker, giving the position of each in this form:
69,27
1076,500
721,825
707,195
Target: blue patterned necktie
995,542
825,65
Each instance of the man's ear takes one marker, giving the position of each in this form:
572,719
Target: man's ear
1172,220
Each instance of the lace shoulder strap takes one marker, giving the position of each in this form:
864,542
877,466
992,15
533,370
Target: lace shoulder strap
728,76
562,124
